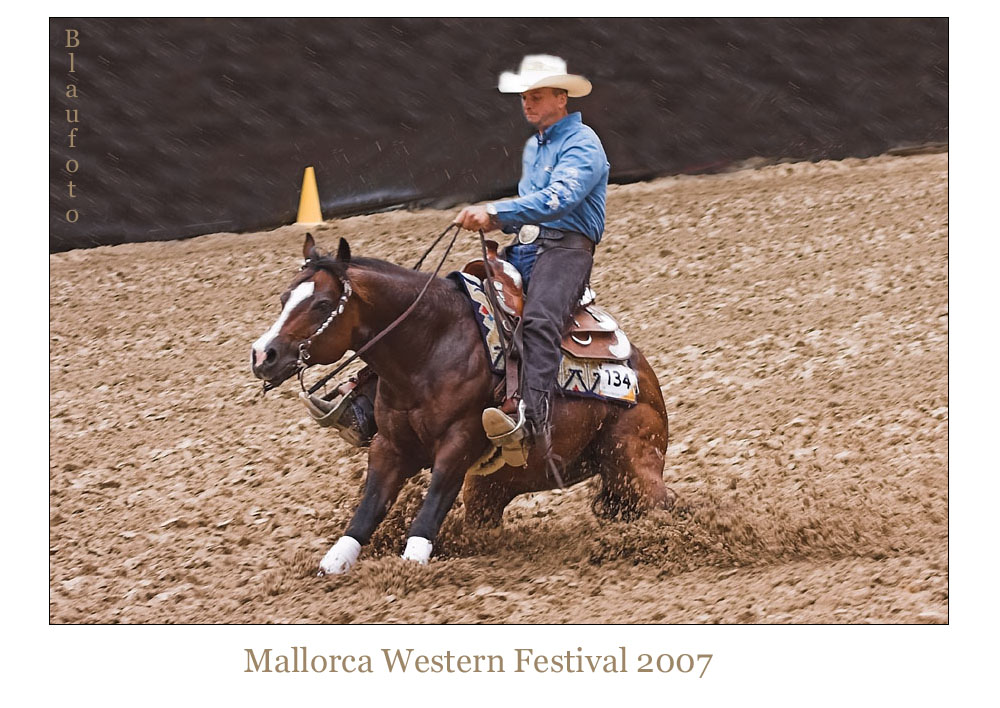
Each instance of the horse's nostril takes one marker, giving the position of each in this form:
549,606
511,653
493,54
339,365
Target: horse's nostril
259,358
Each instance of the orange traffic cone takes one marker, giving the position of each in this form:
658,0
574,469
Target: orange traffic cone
309,211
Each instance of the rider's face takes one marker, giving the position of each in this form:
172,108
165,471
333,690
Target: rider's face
543,106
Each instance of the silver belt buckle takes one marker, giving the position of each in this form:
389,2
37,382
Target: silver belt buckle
528,233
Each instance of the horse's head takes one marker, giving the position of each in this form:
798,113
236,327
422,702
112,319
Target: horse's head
315,318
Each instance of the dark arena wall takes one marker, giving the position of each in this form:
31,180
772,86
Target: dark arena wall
195,126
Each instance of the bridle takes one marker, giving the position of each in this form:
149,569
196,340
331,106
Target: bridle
345,284
302,362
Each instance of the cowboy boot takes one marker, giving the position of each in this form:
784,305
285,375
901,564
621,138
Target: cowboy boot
508,433
539,437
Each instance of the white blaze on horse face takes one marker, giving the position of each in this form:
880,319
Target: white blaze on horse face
302,292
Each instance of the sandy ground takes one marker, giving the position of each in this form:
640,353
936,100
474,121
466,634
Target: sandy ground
796,315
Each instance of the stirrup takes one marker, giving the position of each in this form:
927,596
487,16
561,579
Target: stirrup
507,434
351,413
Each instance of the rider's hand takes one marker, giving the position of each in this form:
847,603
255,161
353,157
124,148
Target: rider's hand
475,218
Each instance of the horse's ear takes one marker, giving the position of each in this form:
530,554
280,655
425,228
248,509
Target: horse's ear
343,251
309,248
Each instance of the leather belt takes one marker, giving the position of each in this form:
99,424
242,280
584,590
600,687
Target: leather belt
555,237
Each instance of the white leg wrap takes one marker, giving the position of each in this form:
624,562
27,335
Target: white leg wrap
418,550
341,556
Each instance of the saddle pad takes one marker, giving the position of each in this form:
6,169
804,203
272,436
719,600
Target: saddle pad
608,380
473,288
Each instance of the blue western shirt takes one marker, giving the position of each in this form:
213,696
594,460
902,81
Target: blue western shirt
564,181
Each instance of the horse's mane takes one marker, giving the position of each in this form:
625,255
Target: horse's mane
339,268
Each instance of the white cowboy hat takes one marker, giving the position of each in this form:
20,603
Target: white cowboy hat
543,71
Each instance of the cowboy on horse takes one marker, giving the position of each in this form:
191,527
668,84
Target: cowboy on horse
426,399
558,219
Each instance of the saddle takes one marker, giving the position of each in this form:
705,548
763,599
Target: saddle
591,333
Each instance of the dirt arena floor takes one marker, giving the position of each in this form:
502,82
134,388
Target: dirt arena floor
796,315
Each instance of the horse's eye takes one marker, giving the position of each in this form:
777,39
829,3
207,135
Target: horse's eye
323,305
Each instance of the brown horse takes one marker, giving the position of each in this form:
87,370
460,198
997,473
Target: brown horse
433,383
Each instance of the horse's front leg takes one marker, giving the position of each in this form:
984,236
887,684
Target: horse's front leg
388,469
451,463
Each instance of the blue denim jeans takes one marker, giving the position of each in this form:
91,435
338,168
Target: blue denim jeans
522,256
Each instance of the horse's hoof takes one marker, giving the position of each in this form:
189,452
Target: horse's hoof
418,550
341,556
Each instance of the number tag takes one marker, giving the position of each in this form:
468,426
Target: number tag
617,381
591,377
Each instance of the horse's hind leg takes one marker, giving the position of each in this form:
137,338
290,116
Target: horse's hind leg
631,451
485,498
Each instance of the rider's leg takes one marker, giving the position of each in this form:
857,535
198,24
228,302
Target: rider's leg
559,275
558,278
